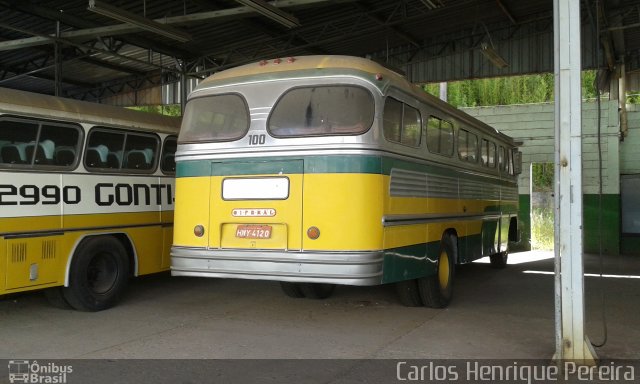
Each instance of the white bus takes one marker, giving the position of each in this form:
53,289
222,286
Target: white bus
86,197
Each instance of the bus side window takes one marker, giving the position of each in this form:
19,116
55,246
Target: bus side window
501,158
392,121
140,152
168,163
488,154
101,147
401,123
439,136
18,142
468,146
15,135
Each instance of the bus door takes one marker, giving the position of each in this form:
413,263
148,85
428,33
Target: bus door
32,210
256,205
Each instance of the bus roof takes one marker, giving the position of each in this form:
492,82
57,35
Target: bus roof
19,102
279,68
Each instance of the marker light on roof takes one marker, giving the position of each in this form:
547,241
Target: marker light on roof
277,61
291,60
263,63
378,76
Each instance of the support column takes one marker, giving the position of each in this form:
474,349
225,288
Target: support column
571,341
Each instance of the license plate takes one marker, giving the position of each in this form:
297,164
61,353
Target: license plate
250,231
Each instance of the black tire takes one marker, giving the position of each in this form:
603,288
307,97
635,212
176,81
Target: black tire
99,274
55,297
317,290
436,291
292,289
499,260
409,293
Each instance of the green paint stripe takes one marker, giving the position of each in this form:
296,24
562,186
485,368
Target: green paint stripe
313,164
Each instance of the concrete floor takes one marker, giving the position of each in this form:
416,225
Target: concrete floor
497,314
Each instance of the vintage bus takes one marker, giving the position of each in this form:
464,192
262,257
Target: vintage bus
323,170
86,197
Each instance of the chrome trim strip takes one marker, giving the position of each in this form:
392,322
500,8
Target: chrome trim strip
393,220
347,268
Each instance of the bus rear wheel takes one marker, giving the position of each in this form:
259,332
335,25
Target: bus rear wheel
409,293
499,260
436,291
98,275
317,290
292,289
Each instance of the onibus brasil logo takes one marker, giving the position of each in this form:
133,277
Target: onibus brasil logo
24,371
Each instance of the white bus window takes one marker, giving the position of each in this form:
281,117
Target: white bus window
215,118
323,110
15,135
439,136
168,162
56,144
104,150
468,146
140,152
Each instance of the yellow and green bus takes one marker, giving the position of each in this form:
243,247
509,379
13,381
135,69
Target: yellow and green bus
323,170
86,197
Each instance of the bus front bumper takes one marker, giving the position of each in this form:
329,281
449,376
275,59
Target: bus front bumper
346,268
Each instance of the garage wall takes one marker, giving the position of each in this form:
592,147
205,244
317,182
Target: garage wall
533,125
630,165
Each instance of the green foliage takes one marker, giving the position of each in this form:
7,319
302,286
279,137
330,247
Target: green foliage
542,176
541,228
168,110
526,89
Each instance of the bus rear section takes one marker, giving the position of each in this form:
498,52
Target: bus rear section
316,171
278,219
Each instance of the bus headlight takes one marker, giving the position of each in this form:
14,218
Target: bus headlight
198,230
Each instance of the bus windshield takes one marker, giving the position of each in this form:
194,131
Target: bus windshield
322,110
215,118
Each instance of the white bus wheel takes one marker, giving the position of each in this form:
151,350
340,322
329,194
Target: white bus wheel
316,290
436,290
98,275
409,293
292,289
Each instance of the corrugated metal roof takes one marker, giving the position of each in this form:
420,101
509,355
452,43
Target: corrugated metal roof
95,59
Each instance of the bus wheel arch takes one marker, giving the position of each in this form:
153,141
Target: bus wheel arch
436,290
98,272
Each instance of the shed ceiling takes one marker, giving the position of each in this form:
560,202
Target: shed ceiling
99,56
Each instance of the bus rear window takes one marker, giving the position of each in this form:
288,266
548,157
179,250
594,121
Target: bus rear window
215,118
323,110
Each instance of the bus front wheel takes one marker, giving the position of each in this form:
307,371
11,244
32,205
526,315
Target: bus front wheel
98,275
436,291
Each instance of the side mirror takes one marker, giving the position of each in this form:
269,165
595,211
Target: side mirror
517,162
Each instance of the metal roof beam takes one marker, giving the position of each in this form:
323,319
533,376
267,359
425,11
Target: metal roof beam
120,29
